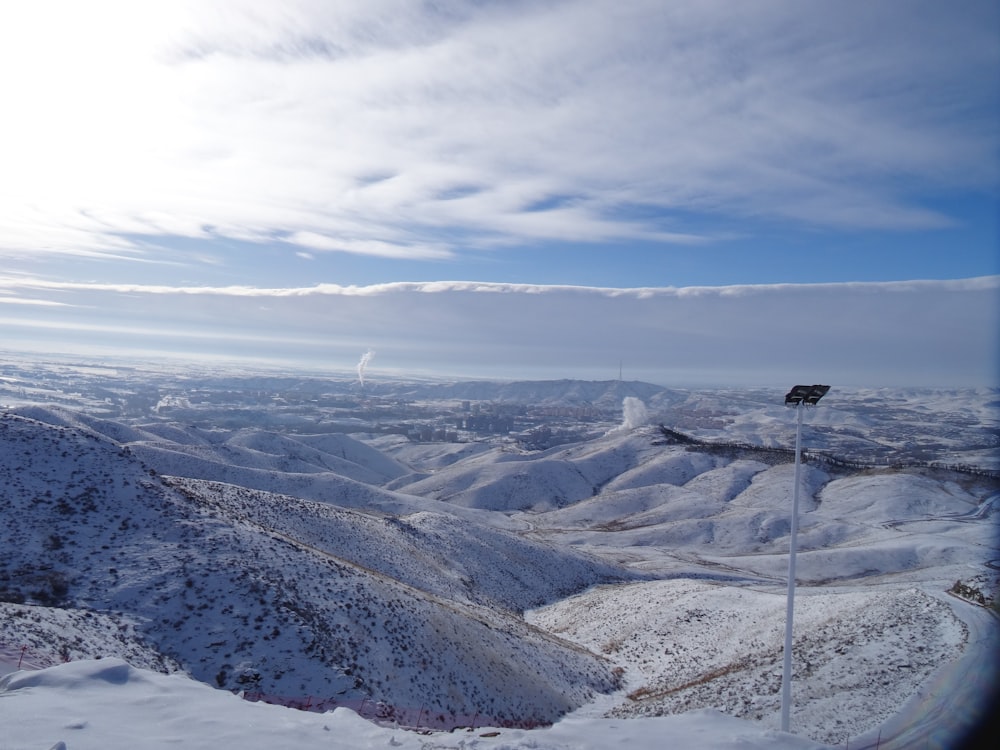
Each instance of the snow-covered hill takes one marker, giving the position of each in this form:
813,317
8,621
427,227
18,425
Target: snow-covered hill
503,481
861,653
250,590
619,575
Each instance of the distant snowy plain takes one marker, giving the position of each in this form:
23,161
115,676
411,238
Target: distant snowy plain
626,589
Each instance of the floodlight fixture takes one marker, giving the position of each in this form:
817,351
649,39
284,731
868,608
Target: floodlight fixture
799,396
805,394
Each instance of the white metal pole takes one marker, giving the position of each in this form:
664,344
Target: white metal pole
786,676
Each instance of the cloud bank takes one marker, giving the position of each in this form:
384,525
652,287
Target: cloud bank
941,333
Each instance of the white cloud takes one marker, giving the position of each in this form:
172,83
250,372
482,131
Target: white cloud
366,247
979,284
22,301
370,127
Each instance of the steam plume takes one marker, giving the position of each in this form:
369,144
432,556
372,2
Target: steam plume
634,414
367,357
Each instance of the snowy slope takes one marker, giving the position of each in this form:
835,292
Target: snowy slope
171,446
434,552
858,654
240,604
109,705
45,636
503,481
264,452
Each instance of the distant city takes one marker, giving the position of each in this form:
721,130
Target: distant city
872,426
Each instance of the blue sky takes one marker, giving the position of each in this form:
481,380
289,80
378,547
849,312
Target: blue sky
570,143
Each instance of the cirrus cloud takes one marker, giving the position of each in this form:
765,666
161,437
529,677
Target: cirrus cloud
423,130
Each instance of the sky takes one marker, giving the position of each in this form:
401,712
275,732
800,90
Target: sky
557,175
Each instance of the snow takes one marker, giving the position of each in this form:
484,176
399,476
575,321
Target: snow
692,644
109,705
597,585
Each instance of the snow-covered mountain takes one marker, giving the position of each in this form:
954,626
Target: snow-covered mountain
475,581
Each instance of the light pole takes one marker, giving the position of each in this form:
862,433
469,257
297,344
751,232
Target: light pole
799,396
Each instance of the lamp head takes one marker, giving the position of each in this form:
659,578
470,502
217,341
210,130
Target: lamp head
805,394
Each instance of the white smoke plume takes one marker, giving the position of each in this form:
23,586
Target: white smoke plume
634,414
367,357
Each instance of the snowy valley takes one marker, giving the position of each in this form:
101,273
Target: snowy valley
542,559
